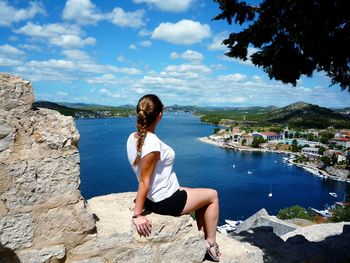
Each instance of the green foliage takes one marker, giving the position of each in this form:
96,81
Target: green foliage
257,141
293,212
244,141
321,150
295,147
326,160
216,130
340,214
292,37
325,136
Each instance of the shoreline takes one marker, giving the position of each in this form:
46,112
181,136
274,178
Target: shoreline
309,168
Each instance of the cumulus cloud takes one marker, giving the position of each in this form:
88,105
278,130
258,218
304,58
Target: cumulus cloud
132,46
126,19
216,43
184,32
108,93
68,69
9,50
146,43
186,71
168,5
83,12
189,55
63,35
9,14
232,77
144,32
75,54
9,62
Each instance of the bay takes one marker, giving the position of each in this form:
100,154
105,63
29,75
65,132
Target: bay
105,168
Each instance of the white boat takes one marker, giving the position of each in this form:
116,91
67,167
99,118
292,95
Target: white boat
233,166
225,229
233,223
333,194
270,194
275,161
249,172
324,213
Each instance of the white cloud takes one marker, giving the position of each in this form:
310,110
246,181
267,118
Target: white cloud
63,35
189,55
9,50
126,19
109,79
121,58
75,54
132,46
84,12
216,43
143,32
186,71
168,5
108,93
62,93
184,32
9,62
30,47
146,43
233,77
9,14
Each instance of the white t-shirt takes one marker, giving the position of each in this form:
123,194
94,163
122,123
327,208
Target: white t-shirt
163,181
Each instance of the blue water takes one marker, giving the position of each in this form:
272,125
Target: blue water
105,169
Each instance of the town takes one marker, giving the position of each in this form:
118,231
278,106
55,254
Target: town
325,153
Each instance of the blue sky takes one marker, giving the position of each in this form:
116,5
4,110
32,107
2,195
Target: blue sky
113,52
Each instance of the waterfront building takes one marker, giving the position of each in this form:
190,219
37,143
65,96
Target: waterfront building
311,152
345,142
268,135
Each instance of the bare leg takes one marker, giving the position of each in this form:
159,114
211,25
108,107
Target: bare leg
204,199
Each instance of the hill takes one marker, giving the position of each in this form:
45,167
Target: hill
295,115
305,115
81,110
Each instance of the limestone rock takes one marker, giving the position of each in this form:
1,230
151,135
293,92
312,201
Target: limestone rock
15,93
318,232
42,255
262,218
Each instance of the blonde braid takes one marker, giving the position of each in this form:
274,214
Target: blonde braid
141,133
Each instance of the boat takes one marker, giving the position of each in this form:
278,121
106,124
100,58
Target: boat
233,223
249,172
225,229
275,161
233,166
333,194
270,194
324,213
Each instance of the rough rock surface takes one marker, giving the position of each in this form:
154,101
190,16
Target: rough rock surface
262,218
42,213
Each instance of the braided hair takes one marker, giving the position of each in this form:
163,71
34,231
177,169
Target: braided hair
147,110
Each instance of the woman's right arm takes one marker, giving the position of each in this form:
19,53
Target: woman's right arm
148,163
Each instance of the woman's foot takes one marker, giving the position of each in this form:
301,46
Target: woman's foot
213,251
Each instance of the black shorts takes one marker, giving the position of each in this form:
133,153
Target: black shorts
172,205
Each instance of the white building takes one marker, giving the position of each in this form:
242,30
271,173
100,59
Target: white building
310,152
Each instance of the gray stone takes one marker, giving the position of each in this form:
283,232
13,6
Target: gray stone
262,218
16,231
90,260
42,255
318,232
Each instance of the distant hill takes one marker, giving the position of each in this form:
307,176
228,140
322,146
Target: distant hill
305,115
81,110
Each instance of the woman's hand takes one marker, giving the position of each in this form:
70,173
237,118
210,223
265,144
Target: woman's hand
143,225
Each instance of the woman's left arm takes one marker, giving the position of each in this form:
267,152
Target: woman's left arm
148,164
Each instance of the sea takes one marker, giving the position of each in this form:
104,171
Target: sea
243,179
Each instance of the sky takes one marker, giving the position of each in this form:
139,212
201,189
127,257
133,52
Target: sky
114,52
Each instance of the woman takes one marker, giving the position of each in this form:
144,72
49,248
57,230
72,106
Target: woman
159,191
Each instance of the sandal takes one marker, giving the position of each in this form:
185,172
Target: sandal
211,256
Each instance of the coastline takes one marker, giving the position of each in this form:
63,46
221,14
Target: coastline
308,167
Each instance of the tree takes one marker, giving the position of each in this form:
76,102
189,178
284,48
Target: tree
295,147
292,37
216,130
293,212
257,141
244,141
